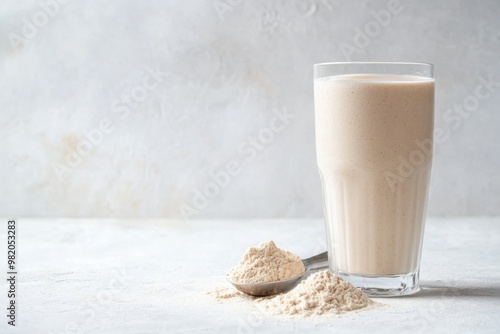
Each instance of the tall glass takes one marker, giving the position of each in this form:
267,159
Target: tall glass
374,138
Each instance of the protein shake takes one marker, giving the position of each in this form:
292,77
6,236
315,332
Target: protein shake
374,149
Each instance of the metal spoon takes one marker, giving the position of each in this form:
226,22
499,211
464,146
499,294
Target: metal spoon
319,261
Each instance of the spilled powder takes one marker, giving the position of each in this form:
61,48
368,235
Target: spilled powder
226,293
266,263
320,294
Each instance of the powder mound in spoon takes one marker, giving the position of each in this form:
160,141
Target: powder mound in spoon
266,263
321,293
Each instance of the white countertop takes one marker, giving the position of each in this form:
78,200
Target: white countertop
144,276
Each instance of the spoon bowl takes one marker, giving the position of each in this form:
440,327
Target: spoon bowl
319,261
267,289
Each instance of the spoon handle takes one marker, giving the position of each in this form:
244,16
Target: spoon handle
320,259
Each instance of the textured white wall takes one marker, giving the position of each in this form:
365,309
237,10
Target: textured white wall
171,90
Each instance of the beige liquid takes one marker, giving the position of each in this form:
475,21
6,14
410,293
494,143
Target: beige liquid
365,126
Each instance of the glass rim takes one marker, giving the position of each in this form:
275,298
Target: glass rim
373,63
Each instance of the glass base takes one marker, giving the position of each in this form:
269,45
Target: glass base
384,286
